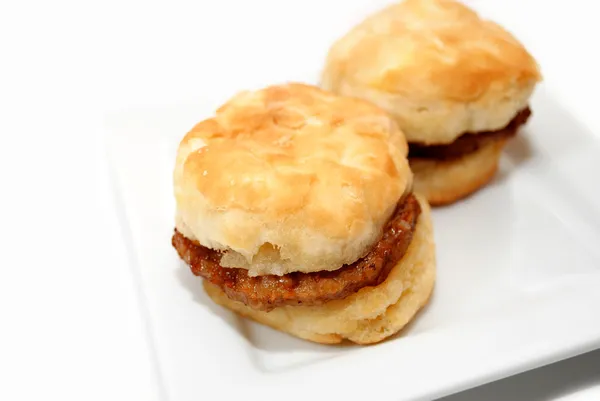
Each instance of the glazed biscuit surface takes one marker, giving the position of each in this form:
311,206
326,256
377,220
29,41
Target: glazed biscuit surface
290,178
438,67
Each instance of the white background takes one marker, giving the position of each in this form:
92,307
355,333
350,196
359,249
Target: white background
69,322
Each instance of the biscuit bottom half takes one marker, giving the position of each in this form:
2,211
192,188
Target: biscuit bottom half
446,181
447,173
367,316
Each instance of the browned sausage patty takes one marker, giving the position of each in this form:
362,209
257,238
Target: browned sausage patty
468,143
268,292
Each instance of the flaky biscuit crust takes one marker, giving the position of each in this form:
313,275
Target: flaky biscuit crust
436,66
290,178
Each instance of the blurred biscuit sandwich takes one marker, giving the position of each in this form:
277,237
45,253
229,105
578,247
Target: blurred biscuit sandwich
458,86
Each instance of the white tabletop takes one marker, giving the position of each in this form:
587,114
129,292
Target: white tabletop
70,326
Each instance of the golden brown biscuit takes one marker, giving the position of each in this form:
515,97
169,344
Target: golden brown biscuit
445,181
437,67
369,315
290,178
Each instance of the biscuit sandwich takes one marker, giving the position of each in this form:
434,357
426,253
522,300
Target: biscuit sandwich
295,207
458,85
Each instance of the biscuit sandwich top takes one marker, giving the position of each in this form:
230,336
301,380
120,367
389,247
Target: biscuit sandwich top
438,67
290,178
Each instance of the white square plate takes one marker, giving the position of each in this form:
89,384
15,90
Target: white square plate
518,272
